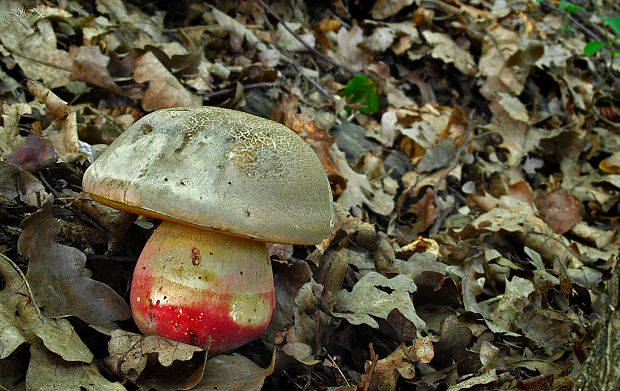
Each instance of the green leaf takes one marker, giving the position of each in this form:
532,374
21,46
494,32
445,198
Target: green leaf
593,47
569,7
361,92
614,23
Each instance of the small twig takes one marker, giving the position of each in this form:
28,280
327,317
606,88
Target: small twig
41,62
57,196
304,43
444,175
373,364
337,367
245,87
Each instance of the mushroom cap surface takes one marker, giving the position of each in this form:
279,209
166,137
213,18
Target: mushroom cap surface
220,169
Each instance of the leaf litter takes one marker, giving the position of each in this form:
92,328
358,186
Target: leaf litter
472,150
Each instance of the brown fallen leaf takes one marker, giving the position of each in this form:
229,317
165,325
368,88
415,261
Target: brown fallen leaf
425,211
559,209
90,66
164,88
55,274
359,189
234,373
451,346
178,366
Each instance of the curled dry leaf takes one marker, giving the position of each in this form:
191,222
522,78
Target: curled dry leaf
54,105
64,137
55,274
485,378
90,66
178,366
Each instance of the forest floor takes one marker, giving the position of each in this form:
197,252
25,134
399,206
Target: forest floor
473,153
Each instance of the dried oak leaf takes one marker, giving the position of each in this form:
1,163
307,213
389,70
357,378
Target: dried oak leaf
383,9
178,366
448,51
55,275
368,300
530,230
46,372
359,190
308,320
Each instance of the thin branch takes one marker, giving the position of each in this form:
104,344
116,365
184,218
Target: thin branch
294,62
304,43
245,87
337,367
47,64
572,19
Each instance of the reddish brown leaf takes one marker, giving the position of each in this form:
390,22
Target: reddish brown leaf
35,153
539,383
559,210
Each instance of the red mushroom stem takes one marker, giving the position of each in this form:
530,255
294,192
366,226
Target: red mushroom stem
191,284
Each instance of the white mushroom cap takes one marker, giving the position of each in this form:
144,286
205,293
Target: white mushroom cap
217,168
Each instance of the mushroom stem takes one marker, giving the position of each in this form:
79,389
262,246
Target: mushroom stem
191,284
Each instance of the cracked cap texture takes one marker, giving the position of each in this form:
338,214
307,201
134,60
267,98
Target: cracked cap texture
217,168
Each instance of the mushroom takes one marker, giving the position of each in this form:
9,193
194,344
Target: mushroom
224,182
